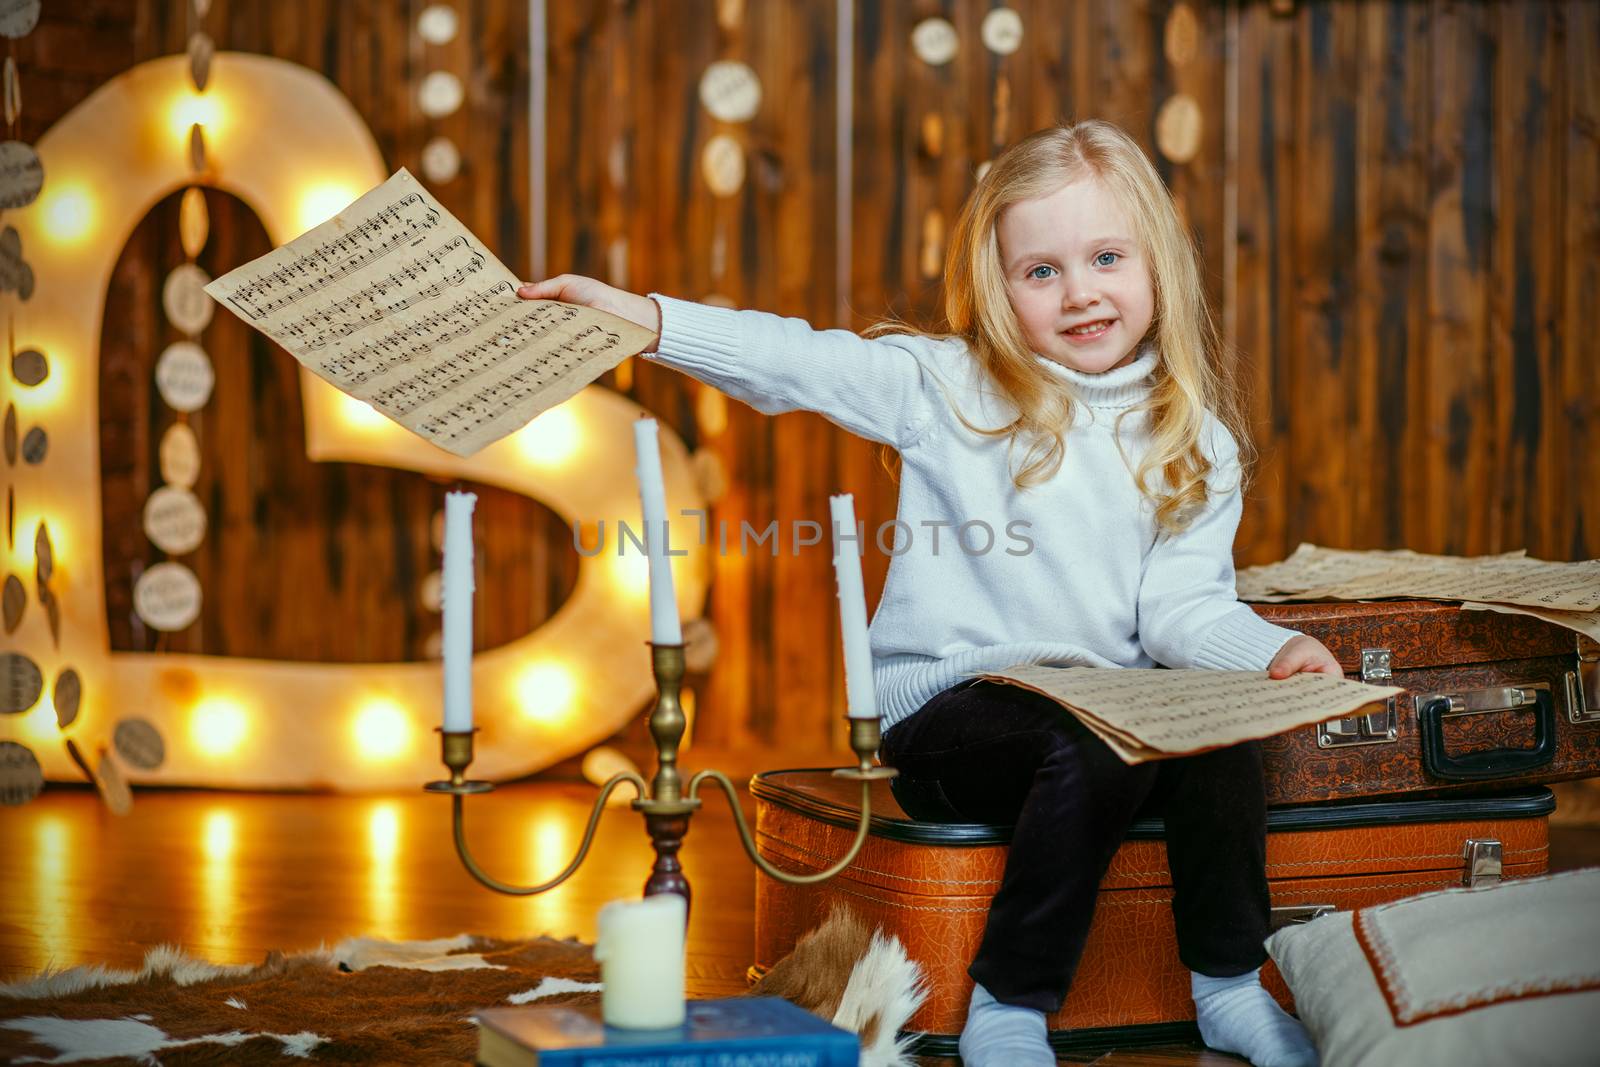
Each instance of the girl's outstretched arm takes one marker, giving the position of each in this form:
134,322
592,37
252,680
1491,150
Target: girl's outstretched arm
590,292
881,389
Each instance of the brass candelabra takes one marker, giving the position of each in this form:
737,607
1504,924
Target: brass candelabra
666,805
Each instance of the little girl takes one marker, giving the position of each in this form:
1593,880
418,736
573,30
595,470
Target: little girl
1077,401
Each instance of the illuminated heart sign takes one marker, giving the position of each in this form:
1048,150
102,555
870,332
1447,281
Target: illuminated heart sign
284,140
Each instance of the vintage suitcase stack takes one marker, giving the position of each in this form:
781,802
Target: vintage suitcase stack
1434,791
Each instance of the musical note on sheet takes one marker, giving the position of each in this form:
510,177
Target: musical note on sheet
1146,714
394,302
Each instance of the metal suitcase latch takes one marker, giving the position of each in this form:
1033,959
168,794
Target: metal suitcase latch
1378,728
1482,856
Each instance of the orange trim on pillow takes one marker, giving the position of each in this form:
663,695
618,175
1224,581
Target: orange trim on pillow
1381,958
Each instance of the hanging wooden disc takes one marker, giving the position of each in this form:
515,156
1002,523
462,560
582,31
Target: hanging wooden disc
441,160
14,601
1002,109
935,41
21,683
21,175
21,778
1181,39
35,445
933,134
68,695
11,435
201,52
710,474
29,367
13,92
11,265
167,597
431,592
438,24
113,785
174,520
711,408
19,17
700,645
932,261
140,744
722,165
44,554
730,14
1002,31
194,223
440,94
52,608
731,91
1179,126
180,456
184,376
184,298
197,148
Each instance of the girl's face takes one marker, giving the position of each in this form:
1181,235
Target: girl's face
1078,280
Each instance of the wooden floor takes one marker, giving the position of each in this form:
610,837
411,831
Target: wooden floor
230,877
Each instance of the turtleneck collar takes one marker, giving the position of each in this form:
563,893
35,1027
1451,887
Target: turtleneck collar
1116,389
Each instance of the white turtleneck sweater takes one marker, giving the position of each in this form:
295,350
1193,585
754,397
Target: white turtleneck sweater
1076,573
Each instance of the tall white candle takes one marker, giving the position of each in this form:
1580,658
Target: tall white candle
664,626
861,701
457,596
640,949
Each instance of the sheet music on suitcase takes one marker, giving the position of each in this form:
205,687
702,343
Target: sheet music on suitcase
1147,714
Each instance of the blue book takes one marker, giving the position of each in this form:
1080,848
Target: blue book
731,1032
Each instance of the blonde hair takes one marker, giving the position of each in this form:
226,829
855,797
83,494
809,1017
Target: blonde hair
1189,382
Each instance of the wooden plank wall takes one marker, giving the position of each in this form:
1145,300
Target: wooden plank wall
1398,206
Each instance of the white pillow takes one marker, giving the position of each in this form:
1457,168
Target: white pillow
1507,974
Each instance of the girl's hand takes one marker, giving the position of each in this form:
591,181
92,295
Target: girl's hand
576,289
1304,654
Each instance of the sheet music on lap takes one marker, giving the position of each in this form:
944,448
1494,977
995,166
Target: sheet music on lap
1152,713
394,302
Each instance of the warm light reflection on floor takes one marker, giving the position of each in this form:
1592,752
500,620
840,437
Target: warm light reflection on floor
551,840
52,857
219,884
383,850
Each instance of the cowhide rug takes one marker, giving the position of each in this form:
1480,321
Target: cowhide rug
370,1001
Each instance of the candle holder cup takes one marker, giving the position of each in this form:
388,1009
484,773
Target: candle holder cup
666,804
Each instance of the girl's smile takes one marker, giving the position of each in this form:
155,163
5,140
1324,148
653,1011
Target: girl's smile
1077,278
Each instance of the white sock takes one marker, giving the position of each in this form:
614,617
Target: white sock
1003,1035
1237,1015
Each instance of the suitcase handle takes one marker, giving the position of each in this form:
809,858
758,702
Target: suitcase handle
1495,763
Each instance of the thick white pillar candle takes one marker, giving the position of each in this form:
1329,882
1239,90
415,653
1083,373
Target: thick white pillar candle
861,701
457,596
664,626
640,949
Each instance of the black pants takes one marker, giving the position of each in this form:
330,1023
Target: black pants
991,753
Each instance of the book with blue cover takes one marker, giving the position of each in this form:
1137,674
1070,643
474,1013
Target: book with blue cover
729,1032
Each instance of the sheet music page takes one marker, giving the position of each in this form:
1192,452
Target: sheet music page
1145,714
1321,573
394,302
1586,623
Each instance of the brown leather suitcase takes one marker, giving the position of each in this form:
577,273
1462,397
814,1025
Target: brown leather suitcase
929,884
1491,701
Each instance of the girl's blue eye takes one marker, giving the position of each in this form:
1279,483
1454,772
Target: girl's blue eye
1034,273
1106,259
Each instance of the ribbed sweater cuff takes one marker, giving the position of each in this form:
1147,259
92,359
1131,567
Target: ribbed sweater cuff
1241,641
696,337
